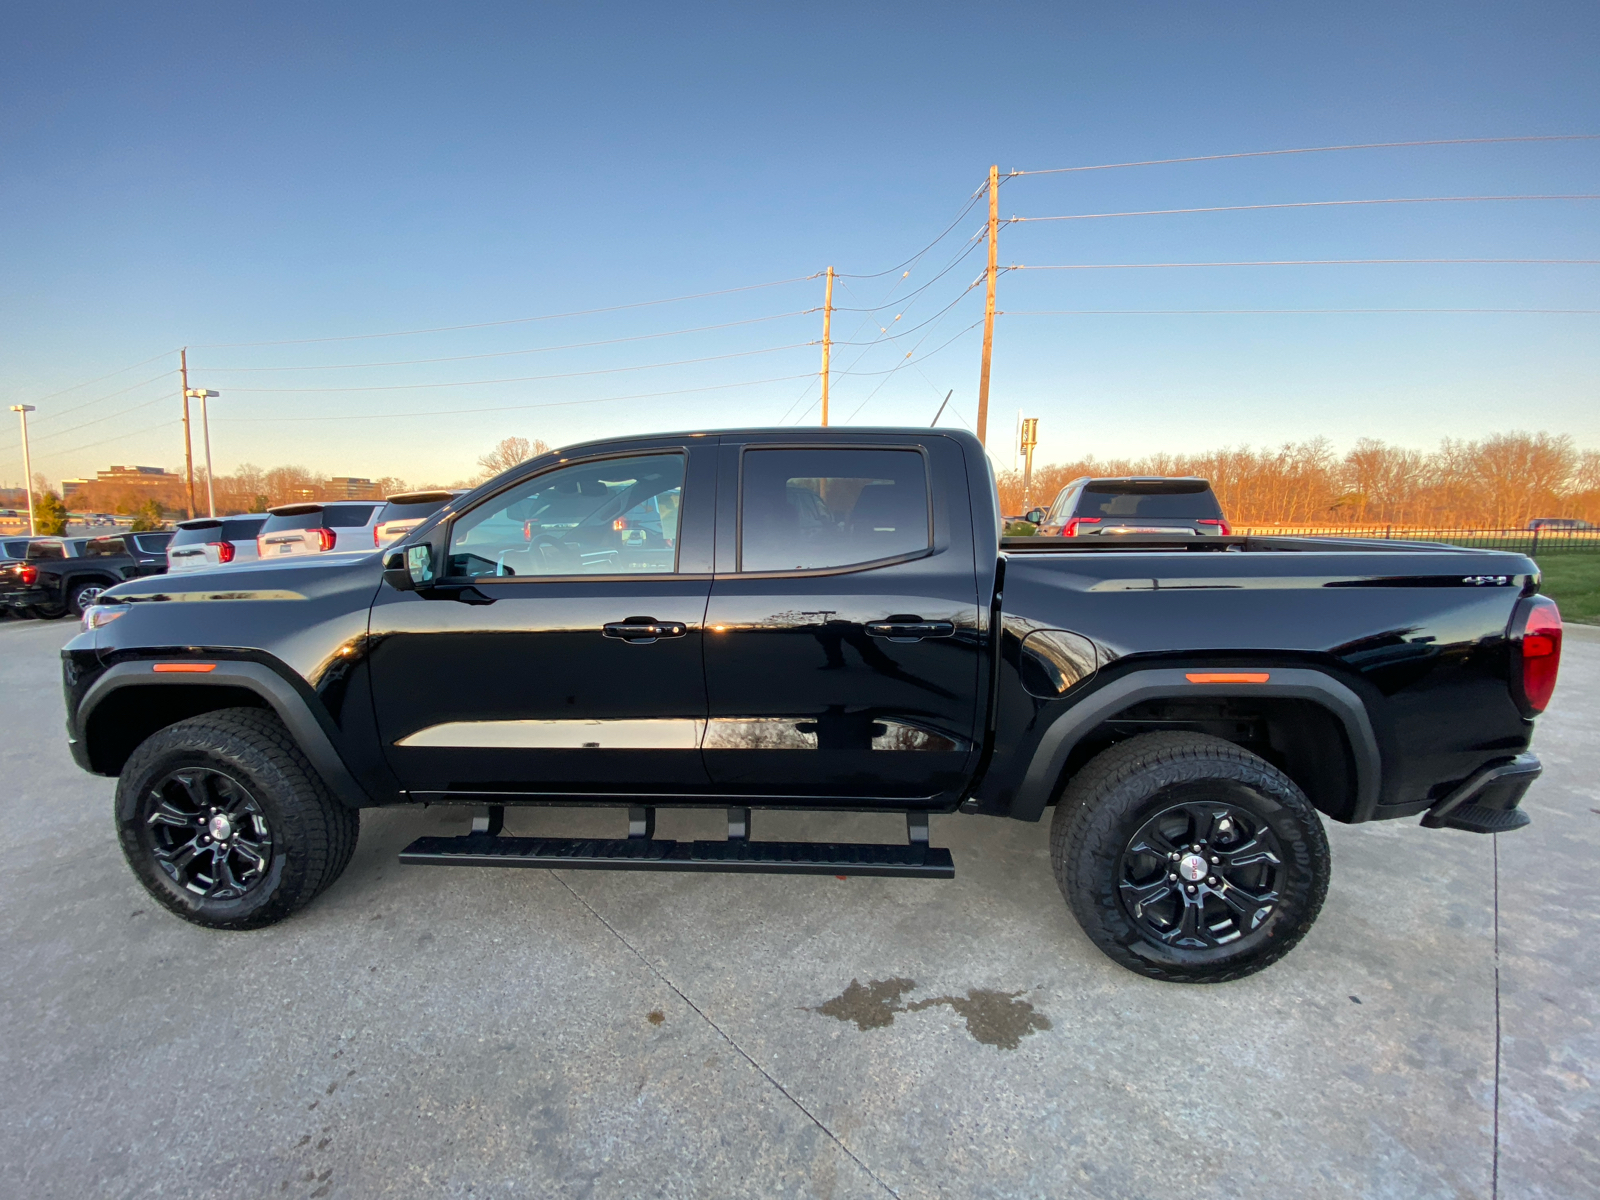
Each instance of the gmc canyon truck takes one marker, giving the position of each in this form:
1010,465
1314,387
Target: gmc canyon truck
824,620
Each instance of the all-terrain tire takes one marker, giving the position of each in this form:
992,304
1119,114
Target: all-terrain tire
244,752
1122,800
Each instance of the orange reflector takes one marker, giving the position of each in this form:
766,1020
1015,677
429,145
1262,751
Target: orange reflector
184,668
1228,677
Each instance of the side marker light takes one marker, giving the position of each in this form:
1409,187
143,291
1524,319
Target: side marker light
1228,676
183,668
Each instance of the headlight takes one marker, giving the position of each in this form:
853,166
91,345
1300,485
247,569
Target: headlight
97,615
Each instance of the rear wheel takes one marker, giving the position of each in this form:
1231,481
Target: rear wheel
82,596
225,822
1187,858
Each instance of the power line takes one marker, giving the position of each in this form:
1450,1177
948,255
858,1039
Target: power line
1158,162
103,378
132,387
100,420
403,387
357,337
971,200
410,362
115,438
453,412
1302,262
972,244
924,358
1164,212
1179,312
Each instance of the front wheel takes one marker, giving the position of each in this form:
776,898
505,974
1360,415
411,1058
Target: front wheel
1187,858
225,822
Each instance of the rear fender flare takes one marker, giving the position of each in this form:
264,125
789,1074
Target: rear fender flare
309,728
1045,770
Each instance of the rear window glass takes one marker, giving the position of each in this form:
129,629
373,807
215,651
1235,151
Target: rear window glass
332,516
409,512
1158,501
105,548
197,535
811,509
151,543
233,529
14,549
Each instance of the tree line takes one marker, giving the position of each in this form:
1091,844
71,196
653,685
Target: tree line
1500,482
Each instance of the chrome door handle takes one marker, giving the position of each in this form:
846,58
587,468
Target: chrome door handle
910,630
644,630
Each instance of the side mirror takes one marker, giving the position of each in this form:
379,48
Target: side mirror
1034,516
410,569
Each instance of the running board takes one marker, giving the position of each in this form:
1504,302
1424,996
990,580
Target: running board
637,854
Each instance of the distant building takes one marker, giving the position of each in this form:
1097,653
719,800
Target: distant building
151,479
352,487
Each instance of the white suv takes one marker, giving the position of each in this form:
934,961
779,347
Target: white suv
209,542
404,512
317,528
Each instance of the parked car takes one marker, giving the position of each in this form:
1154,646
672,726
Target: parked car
1559,524
1138,505
207,542
316,528
13,549
403,513
58,576
1189,705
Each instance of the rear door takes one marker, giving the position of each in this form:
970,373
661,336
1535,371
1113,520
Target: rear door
842,649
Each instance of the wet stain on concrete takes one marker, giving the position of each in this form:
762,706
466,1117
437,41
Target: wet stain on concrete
870,1007
993,1018
655,1016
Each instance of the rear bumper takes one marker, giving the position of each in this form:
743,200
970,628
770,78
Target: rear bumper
26,597
1487,801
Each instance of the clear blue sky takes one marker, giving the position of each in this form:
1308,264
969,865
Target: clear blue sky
220,174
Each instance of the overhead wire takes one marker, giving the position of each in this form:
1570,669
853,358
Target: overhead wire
1165,212
1158,162
1303,262
961,216
103,378
132,387
1177,312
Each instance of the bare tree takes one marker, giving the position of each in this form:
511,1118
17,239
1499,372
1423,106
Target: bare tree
507,453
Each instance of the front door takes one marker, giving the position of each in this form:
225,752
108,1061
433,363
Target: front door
560,653
842,644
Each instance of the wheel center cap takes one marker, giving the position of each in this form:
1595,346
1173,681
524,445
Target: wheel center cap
1192,867
221,828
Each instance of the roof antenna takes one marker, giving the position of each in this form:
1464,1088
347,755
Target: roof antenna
942,403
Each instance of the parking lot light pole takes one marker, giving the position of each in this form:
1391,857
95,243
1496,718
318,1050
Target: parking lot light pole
22,410
202,395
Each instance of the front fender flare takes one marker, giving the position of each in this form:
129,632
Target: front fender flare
1049,760
309,727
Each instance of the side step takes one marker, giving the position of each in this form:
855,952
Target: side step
643,852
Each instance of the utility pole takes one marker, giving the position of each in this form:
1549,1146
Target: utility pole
988,303
827,340
202,395
1030,438
188,446
22,410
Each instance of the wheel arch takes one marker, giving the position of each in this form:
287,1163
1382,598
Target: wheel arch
1315,729
129,702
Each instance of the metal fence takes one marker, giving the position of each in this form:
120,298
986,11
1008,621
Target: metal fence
1532,542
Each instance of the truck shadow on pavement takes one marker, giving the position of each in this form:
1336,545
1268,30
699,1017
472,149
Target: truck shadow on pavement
994,1018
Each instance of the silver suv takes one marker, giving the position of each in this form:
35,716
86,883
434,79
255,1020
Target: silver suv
316,528
213,542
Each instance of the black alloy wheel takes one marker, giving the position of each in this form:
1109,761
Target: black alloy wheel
207,833
1189,859
1200,874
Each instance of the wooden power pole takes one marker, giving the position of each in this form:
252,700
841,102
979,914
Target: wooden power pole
827,340
188,446
988,304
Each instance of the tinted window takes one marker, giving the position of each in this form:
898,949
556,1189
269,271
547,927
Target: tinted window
14,549
197,535
807,509
241,529
1149,500
45,551
409,512
105,548
329,516
616,516
152,543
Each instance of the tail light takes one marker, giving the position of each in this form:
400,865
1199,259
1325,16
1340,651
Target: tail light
620,524
29,575
376,540
1536,651
325,538
1070,529
1223,527
224,551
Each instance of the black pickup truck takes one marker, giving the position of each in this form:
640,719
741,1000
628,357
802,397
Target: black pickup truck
60,576
824,620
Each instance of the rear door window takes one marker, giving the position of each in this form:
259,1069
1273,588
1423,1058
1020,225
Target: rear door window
616,516
45,551
1158,501
113,547
808,509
